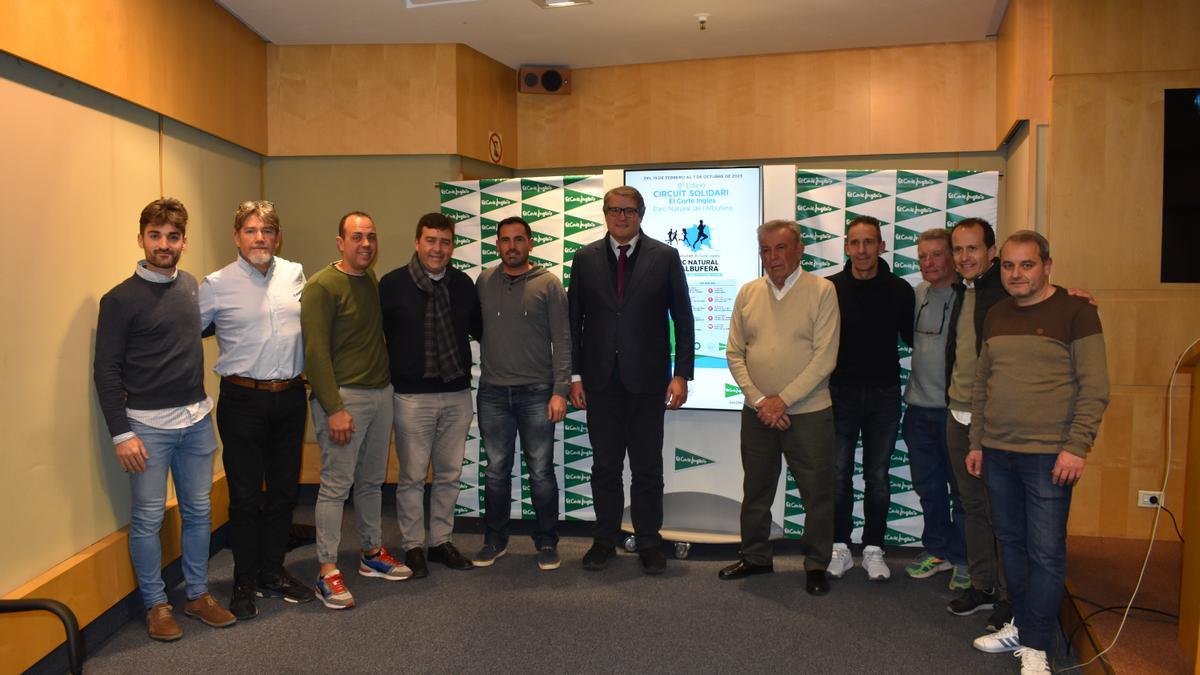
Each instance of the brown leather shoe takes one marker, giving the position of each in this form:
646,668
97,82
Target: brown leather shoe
207,610
161,624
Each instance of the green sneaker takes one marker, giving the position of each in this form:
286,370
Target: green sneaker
927,565
961,579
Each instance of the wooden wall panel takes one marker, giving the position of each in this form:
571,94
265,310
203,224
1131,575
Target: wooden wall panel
1116,36
361,100
1023,66
187,59
486,103
935,98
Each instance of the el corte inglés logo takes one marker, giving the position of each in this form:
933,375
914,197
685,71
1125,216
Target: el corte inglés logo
732,390
574,199
689,460
455,215
449,192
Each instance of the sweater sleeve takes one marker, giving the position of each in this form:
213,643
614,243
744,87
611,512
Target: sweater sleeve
560,336
735,350
112,328
1091,373
826,334
317,311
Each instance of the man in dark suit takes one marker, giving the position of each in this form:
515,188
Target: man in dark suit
625,290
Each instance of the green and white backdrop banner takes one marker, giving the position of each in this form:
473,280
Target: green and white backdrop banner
701,455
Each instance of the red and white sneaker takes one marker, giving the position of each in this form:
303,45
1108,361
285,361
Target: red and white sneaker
332,591
384,566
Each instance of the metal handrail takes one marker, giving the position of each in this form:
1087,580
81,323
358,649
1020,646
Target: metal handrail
75,647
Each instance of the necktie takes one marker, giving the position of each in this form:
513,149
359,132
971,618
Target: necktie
621,260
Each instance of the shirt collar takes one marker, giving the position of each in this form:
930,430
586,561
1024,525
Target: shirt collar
155,277
612,243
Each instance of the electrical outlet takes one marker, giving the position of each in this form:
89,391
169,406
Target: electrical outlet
1144,497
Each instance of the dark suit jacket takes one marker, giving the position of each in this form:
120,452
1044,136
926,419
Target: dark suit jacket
638,326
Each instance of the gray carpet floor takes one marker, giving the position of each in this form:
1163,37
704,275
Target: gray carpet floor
513,617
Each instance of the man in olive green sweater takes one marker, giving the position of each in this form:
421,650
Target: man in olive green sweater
783,343
1041,387
347,365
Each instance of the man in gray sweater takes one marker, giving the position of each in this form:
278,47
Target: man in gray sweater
783,344
525,357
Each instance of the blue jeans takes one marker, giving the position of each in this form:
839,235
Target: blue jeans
1029,515
925,436
188,454
505,412
875,412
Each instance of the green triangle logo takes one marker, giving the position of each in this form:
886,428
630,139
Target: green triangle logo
906,210
856,194
460,240
903,265
532,188
571,180
959,196
573,501
489,182
792,505
488,203
689,460
953,219
569,249
904,238
793,530
456,215
462,265
575,224
902,350
540,238
527,512
526,492
807,208
900,511
806,181
573,477
533,213
955,175
488,228
853,174
732,390
850,216
548,264
460,510
898,459
467,461
858,469
449,191
573,200
573,428
857,520
790,481
904,373
487,253
897,538
812,263
907,182
566,277
898,484
811,235
574,453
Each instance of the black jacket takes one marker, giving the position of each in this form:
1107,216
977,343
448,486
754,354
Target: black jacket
988,291
875,312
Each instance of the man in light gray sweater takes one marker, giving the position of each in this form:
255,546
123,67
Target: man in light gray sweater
783,343
525,358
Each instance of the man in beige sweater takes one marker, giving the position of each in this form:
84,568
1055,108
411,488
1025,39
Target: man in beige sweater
783,341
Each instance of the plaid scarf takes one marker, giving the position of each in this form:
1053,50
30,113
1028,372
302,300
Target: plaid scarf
441,353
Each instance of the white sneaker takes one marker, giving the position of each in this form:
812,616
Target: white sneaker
1003,640
872,562
1033,661
840,562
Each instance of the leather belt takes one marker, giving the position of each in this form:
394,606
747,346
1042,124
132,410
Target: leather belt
264,385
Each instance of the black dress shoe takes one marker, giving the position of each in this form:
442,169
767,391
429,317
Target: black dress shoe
449,556
598,556
242,602
817,583
283,585
654,561
742,569
414,559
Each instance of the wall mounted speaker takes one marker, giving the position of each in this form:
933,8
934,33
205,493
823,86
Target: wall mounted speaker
544,80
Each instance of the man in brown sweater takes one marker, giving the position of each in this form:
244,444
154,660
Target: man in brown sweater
1041,387
783,343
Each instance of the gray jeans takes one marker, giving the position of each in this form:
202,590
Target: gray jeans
361,463
430,428
982,557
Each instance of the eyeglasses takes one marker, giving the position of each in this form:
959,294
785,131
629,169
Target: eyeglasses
941,322
628,211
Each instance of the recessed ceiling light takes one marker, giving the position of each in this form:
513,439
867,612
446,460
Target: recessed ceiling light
555,4
414,4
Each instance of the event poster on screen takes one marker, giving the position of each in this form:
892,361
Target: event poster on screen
711,217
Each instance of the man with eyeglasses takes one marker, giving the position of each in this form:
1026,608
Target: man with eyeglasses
253,305
626,290
924,427
876,308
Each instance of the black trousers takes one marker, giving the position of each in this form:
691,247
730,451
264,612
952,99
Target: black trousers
262,434
620,422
